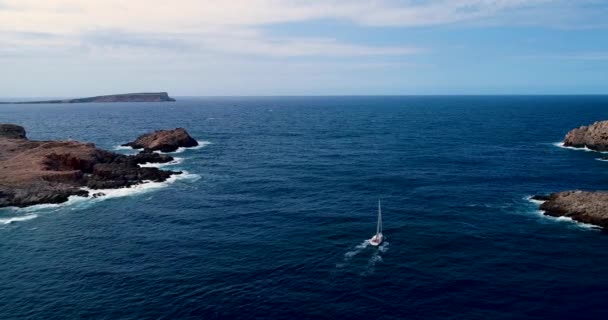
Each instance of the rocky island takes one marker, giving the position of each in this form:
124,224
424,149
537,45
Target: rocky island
582,206
126,97
35,172
163,140
594,137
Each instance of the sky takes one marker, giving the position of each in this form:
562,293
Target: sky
72,48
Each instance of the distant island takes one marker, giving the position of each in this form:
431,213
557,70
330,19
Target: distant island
125,97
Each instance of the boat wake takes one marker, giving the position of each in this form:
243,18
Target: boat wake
350,254
364,254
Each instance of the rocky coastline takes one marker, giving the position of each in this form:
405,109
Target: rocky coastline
594,137
37,172
583,206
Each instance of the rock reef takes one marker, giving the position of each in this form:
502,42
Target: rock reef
594,137
36,172
163,140
125,97
582,206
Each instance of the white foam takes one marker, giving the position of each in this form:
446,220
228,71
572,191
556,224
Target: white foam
145,187
601,159
383,247
537,202
201,144
569,220
17,219
78,202
175,161
120,147
350,254
561,145
562,218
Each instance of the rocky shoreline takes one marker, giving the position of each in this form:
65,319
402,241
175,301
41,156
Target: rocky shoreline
594,137
583,206
37,172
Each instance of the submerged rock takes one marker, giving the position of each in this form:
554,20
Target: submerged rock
594,137
163,140
36,172
583,206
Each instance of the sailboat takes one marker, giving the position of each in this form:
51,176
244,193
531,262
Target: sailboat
376,240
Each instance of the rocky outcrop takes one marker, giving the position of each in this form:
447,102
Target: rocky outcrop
11,131
594,137
583,206
36,172
163,140
126,97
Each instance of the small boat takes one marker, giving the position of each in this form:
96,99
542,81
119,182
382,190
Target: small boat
376,240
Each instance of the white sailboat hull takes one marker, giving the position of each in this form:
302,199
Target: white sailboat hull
376,240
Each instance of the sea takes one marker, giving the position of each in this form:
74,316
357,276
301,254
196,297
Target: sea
271,216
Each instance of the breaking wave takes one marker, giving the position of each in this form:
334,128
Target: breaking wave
17,219
561,145
175,161
201,144
542,214
96,195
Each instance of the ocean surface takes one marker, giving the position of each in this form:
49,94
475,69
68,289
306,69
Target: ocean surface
271,217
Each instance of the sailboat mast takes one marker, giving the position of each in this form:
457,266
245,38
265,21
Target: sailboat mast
379,226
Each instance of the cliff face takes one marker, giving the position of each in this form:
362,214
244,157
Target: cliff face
127,97
594,137
35,172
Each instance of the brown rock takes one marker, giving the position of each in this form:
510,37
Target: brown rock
583,206
35,172
163,140
594,137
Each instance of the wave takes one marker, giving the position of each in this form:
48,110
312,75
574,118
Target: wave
175,161
201,144
542,214
561,145
569,220
537,202
121,147
145,187
17,219
97,195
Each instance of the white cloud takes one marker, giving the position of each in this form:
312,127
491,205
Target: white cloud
232,26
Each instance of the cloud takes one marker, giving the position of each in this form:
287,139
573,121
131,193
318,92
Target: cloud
234,27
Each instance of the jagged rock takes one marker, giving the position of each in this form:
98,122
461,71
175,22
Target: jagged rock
163,140
583,206
594,137
35,172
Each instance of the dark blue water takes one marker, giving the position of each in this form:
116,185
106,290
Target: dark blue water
271,221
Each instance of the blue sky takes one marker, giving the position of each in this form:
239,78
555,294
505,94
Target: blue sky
67,48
